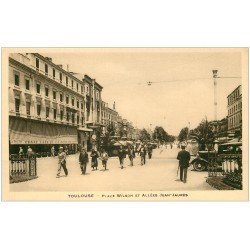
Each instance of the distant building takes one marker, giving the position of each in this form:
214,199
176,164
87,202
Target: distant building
109,118
234,101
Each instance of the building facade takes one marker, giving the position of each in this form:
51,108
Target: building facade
49,105
234,107
46,103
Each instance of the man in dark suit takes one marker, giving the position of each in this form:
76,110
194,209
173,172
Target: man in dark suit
83,160
121,156
184,158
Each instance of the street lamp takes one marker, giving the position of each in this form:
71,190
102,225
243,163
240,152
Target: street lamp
215,71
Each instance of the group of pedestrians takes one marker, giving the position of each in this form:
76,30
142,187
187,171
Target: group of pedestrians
142,150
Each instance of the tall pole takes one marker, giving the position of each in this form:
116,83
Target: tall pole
215,93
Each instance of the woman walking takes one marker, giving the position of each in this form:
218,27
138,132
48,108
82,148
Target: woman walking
94,161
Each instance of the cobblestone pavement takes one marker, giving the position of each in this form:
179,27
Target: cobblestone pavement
159,174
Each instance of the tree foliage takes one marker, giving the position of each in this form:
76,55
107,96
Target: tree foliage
183,135
203,133
144,135
161,135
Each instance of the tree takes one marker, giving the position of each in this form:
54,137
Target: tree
144,135
203,133
183,135
161,135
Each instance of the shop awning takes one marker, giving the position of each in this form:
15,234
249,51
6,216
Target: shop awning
23,131
85,129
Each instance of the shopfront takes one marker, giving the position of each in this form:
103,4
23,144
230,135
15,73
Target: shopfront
84,136
39,135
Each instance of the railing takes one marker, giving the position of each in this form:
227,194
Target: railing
228,166
22,168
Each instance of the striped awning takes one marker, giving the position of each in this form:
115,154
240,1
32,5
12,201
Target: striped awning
24,131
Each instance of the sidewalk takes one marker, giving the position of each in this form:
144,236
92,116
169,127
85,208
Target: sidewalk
159,173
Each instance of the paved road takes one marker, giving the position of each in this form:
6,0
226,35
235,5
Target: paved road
159,174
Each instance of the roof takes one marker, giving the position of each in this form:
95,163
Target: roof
234,91
57,67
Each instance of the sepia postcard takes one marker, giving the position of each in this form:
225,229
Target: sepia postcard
125,124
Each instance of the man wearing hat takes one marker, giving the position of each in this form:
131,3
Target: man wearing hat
61,162
184,158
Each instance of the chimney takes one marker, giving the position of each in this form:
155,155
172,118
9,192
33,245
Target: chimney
67,67
49,59
60,65
114,106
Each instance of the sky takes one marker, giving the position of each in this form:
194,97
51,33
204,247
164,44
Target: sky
182,91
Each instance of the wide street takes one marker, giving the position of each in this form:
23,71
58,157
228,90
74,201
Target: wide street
159,174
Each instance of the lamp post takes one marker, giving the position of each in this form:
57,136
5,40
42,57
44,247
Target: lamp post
215,93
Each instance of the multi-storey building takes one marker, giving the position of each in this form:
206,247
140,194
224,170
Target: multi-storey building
234,107
49,105
93,108
109,119
46,103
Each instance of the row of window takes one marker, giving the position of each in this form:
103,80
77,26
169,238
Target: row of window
38,91
234,96
46,70
106,115
235,108
235,121
47,111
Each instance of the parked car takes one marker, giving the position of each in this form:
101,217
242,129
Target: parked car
201,162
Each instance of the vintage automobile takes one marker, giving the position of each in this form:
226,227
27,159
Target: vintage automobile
112,148
201,162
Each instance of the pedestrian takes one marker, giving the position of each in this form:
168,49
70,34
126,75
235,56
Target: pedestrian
184,158
150,151
104,158
145,148
131,155
83,160
66,150
53,151
121,156
171,145
61,162
21,151
143,156
94,157
29,152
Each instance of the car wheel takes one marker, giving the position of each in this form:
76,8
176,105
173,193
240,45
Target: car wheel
199,166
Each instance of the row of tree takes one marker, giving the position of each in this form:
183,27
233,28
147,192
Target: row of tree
203,133
159,134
